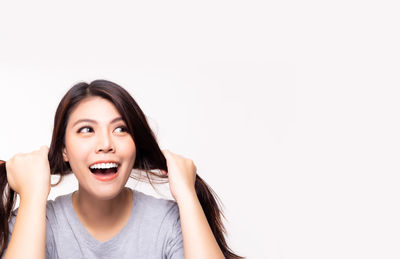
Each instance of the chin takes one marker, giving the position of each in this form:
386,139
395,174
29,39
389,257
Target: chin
102,190
106,192
103,186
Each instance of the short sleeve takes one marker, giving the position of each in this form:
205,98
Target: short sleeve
174,242
50,241
50,244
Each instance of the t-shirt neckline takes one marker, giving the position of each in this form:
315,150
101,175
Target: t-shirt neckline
88,238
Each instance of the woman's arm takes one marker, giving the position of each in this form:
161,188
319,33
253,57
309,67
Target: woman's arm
28,239
198,239
29,175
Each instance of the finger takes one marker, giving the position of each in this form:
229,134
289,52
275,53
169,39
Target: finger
44,150
166,152
169,156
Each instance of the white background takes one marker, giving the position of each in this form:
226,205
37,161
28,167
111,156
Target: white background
290,109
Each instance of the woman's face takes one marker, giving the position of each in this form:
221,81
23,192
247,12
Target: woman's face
96,138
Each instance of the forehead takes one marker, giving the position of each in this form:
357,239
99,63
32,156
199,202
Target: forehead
95,108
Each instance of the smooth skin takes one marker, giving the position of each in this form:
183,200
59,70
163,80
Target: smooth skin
102,207
86,142
29,175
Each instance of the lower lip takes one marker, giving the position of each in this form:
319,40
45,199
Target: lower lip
106,177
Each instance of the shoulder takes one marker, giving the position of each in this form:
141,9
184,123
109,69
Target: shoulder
153,203
163,215
52,206
156,208
58,206
55,216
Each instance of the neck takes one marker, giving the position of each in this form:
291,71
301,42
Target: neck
98,214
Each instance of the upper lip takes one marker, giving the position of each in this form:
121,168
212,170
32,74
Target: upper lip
104,161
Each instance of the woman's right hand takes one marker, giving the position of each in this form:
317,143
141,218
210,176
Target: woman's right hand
29,174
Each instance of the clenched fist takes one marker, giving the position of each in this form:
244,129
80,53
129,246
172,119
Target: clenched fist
29,174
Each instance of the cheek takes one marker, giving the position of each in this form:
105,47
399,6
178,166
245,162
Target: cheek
77,150
78,144
127,148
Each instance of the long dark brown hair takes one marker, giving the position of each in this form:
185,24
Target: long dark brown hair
149,158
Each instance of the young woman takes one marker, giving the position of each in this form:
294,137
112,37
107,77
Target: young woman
100,134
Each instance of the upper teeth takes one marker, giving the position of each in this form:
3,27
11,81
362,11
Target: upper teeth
104,165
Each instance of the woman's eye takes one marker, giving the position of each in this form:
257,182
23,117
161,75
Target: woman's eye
122,129
84,129
87,129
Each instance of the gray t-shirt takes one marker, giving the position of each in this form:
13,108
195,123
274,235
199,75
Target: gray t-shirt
153,231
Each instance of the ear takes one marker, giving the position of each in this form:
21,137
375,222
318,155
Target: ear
65,156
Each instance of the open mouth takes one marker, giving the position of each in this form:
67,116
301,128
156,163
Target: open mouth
105,171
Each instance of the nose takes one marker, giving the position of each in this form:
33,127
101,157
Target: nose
105,144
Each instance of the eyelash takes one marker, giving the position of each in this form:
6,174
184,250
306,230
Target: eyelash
123,128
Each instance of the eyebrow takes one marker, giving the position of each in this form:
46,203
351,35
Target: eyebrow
95,122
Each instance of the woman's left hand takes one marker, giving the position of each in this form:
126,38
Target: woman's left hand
181,175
